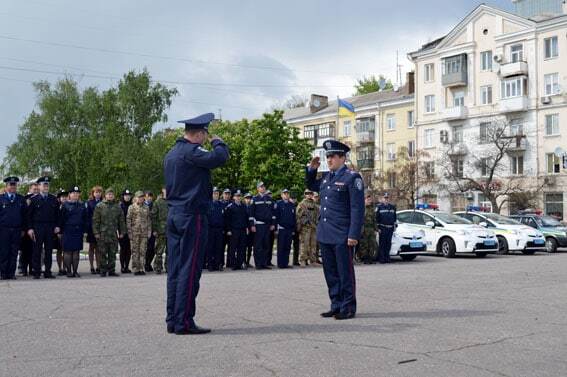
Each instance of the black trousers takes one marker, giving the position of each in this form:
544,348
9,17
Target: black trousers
150,252
9,244
43,242
125,252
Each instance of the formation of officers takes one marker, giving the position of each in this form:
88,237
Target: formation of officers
36,224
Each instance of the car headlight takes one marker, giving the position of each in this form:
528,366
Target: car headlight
422,233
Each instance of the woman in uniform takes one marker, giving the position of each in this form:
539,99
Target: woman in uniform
73,225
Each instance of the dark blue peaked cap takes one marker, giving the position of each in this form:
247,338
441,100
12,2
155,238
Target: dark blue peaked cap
10,180
334,146
199,123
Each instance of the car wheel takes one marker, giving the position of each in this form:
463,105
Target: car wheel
502,246
481,255
528,252
407,258
447,247
551,245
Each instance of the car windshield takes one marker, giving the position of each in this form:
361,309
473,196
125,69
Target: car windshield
451,219
499,219
548,221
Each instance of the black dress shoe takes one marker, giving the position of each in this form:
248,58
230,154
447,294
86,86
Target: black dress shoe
103,274
76,274
112,273
36,276
97,270
61,273
342,316
70,275
49,276
127,271
193,331
170,329
329,314
93,271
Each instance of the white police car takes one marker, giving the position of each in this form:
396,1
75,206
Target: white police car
407,243
512,235
449,234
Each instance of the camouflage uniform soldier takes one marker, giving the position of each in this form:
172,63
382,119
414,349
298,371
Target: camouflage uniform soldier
307,215
108,227
159,224
139,231
366,249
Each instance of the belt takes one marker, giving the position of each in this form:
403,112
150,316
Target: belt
386,226
256,222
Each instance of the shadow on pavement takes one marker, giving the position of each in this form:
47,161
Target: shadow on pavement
430,314
301,328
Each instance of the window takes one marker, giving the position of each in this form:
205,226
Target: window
513,88
391,118
429,168
365,153
410,119
326,130
458,99
553,163
404,217
551,82
392,180
516,127
552,124
554,204
346,128
428,138
517,165
458,134
484,167
365,125
391,151
486,94
516,53
411,148
483,137
309,132
458,165
551,47
486,61
454,64
430,104
429,72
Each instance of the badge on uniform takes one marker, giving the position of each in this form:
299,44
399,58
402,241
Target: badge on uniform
202,149
358,184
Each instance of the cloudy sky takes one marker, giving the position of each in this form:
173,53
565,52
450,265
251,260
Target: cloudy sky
238,56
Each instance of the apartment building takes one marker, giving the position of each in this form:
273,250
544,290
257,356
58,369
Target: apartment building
495,68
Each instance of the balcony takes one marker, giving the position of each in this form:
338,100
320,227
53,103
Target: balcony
514,69
455,71
518,145
365,137
365,164
457,149
457,112
514,104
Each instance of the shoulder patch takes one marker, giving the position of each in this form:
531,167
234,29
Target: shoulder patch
358,183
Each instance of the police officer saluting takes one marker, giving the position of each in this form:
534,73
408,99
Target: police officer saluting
342,217
43,220
386,220
12,224
187,170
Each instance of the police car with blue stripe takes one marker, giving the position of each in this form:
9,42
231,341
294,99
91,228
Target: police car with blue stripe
448,234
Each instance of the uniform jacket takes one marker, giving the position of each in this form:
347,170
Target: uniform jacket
236,216
285,215
138,220
108,220
159,216
12,212
74,214
42,210
216,214
386,214
262,210
307,214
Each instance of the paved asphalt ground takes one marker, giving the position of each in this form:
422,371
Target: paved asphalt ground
499,316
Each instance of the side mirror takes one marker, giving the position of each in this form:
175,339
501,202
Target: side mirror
483,224
430,224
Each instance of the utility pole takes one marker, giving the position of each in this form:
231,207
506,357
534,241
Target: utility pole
220,114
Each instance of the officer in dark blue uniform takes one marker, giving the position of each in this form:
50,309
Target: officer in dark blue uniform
286,223
73,224
26,246
12,225
236,220
340,226
226,200
272,234
386,221
250,237
214,250
187,170
43,220
262,219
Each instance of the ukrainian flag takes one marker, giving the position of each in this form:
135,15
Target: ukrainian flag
346,109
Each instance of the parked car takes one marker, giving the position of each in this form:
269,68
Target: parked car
407,243
512,235
448,234
554,232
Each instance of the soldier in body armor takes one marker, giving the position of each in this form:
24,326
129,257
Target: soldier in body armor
307,215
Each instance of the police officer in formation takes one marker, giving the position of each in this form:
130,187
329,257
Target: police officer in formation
342,217
25,263
226,200
236,220
262,220
250,236
12,226
187,170
386,221
43,220
73,223
285,221
214,251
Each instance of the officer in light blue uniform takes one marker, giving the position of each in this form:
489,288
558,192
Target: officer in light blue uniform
214,251
236,220
262,220
340,226
286,223
386,221
187,170
12,225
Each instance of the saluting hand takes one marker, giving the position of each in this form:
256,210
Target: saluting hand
315,163
214,137
351,242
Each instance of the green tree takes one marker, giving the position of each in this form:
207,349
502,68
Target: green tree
371,84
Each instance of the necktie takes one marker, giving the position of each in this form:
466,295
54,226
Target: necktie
10,197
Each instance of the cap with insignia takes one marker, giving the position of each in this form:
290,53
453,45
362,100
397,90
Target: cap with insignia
259,184
248,195
139,194
285,191
333,147
75,189
126,192
307,191
238,193
268,192
109,190
61,193
226,191
216,189
11,180
43,180
199,123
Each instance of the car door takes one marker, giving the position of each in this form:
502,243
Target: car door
420,219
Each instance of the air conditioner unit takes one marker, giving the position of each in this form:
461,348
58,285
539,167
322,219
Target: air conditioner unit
550,180
545,100
498,58
444,136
